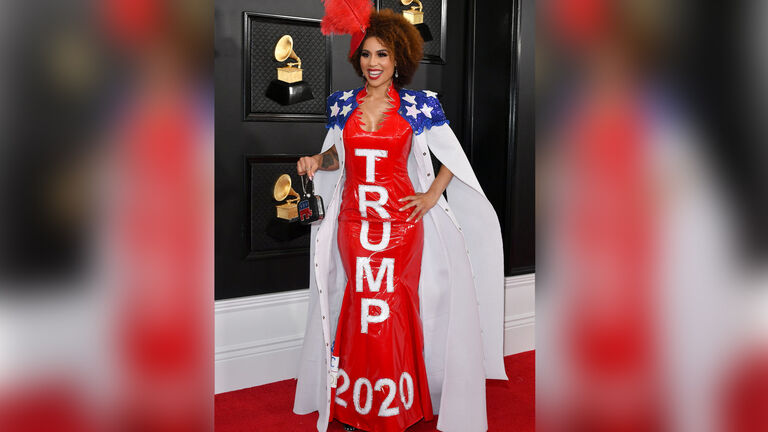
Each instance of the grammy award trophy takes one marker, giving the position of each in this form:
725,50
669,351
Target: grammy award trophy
289,87
415,15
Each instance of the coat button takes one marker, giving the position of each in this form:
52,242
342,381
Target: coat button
425,153
428,174
326,344
323,316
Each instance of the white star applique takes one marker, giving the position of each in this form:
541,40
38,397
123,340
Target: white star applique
410,98
346,109
430,93
346,94
427,110
412,111
334,109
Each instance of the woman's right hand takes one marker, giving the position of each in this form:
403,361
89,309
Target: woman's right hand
308,165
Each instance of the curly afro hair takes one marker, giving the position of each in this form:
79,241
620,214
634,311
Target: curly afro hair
399,36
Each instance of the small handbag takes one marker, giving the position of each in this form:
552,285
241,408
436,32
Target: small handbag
310,206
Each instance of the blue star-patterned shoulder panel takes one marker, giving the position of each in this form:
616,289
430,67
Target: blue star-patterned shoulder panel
339,106
422,109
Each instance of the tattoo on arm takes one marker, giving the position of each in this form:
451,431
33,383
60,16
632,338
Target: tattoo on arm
330,160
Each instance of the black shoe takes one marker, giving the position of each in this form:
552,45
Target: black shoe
348,427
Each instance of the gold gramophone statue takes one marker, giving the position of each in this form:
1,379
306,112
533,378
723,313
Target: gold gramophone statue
289,87
415,15
283,190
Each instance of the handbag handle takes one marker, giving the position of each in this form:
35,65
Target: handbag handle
307,185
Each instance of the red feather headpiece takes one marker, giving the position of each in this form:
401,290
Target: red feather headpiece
347,17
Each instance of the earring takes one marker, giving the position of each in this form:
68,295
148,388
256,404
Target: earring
396,73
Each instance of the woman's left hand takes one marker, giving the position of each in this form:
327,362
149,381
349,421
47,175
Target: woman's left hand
421,202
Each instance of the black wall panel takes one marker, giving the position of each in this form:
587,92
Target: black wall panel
499,119
520,241
475,85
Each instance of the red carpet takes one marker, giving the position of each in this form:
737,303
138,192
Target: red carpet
270,407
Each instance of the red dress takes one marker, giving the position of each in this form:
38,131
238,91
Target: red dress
382,380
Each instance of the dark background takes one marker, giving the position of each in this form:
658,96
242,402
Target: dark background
485,86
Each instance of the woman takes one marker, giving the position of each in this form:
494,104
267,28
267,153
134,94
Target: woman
371,313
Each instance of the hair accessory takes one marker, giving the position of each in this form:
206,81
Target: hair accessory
350,17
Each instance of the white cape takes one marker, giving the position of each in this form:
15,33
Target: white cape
461,288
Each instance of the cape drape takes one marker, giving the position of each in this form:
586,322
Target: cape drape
461,288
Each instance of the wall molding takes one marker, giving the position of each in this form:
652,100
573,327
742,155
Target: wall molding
261,301
525,280
259,338
519,313
519,320
261,347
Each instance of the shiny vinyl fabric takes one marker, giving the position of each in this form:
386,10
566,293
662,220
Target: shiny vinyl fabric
382,381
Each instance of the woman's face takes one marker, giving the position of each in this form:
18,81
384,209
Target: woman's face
377,63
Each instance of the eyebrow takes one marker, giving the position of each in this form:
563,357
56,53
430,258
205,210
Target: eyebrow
383,49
